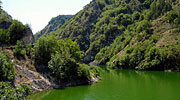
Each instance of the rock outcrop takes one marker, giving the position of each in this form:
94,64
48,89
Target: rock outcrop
28,37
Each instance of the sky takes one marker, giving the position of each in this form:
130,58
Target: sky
37,13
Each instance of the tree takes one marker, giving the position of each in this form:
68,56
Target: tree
17,31
4,37
44,48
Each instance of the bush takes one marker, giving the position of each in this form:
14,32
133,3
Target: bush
143,26
171,16
4,37
29,49
65,68
136,15
62,66
8,92
87,72
17,31
44,48
19,49
6,68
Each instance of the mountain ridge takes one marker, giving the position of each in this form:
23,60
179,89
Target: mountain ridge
53,25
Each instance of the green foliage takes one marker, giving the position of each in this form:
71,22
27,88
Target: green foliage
88,72
159,7
17,31
136,15
173,17
67,69
48,45
106,53
8,92
143,26
6,67
19,49
67,46
44,48
4,37
29,50
64,64
63,67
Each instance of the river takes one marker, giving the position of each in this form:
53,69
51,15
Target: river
121,85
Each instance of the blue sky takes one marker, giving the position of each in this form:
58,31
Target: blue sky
38,13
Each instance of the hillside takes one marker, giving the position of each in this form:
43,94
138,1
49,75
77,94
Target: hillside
108,27
98,24
54,24
28,67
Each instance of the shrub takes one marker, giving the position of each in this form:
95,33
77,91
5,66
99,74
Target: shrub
143,26
171,16
4,37
17,31
6,68
19,49
61,66
44,48
29,49
8,92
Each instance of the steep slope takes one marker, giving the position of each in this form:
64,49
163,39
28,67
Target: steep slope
98,24
150,44
54,24
126,22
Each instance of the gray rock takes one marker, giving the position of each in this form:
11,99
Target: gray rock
28,37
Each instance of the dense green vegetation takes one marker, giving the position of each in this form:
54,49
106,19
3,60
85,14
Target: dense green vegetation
7,68
140,47
17,31
54,24
8,92
127,33
101,21
63,58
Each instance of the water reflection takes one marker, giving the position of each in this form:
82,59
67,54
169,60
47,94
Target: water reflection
122,85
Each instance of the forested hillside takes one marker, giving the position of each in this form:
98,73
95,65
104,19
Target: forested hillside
127,33
54,24
27,67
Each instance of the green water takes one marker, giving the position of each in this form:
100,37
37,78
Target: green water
122,85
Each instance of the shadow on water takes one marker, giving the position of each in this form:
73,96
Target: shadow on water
69,93
121,85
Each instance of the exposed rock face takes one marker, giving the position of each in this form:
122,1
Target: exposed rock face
39,82
28,37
